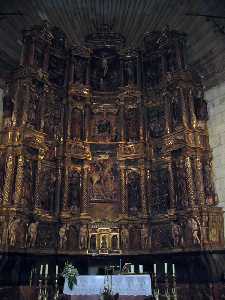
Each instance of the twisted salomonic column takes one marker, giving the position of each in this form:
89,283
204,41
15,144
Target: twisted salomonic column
66,184
171,184
85,198
19,181
123,191
189,180
167,114
8,178
37,203
141,118
122,123
143,189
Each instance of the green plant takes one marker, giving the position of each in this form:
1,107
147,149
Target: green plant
70,273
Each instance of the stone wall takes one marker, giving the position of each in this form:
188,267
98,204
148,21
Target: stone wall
216,125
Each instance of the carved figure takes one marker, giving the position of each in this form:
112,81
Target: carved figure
63,236
177,235
134,192
194,230
74,191
104,243
124,238
32,234
129,71
144,237
83,237
14,230
176,108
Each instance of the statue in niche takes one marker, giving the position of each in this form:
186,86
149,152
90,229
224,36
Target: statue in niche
193,231
200,106
144,236
124,238
63,236
134,192
83,241
164,198
8,108
104,73
74,190
32,112
129,72
93,244
156,122
181,185
176,109
76,124
132,125
32,234
47,192
115,242
177,235
104,242
208,183
2,175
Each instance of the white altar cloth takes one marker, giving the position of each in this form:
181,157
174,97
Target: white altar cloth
130,285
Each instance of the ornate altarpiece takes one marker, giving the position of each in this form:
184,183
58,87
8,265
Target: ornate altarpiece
105,149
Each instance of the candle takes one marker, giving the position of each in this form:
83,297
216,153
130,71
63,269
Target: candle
165,266
41,270
120,265
46,270
154,268
57,270
140,269
173,266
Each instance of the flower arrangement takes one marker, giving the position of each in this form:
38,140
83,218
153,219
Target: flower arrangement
70,273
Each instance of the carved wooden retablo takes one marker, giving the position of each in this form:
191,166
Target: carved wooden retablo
105,149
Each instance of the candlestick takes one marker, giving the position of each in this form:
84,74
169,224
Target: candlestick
173,266
132,269
154,268
165,267
141,269
46,270
56,270
41,270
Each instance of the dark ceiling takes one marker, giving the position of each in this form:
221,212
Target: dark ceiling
132,18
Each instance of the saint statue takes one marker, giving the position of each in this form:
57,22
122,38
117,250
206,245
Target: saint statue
32,234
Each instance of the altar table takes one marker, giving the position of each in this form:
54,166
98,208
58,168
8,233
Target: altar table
129,285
